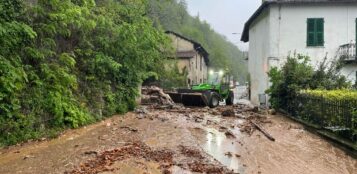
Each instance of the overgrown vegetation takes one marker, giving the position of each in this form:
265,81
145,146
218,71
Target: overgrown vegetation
71,62
297,74
172,15
322,97
174,77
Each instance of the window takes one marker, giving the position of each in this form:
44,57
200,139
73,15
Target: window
201,63
315,32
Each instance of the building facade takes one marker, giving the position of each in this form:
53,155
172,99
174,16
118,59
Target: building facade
191,57
317,28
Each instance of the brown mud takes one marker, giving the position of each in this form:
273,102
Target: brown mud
182,140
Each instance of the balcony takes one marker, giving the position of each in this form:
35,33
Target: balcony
347,53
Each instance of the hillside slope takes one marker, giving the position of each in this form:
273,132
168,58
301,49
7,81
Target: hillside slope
172,15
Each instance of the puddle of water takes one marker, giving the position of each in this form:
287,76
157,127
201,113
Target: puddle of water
217,145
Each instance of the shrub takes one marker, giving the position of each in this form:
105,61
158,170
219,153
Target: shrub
330,108
294,76
297,74
333,95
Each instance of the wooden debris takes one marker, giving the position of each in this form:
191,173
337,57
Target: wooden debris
261,129
90,153
230,134
229,154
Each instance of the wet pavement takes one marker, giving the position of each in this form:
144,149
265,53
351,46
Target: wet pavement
182,140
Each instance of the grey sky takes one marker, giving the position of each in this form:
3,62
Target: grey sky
225,16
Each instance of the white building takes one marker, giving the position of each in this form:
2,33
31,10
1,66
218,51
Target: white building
317,28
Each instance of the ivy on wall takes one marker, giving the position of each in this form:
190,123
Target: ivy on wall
67,63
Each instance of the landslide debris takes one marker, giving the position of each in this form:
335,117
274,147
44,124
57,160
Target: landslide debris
155,95
103,161
190,152
201,167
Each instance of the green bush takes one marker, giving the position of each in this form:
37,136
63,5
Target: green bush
298,74
294,76
319,96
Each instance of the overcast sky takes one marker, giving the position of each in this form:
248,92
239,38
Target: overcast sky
225,16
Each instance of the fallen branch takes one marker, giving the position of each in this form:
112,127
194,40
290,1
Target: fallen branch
263,131
229,134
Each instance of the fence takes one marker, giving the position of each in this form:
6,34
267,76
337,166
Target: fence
347,52
337,116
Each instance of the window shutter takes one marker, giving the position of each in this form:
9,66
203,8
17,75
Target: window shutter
319,32
315,32
310,32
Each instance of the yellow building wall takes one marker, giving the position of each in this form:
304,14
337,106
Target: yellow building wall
196,73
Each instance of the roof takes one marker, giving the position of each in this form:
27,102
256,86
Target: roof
185,54
198,47
267,3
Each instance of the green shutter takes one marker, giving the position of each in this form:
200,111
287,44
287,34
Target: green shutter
310,32
319,32
315,32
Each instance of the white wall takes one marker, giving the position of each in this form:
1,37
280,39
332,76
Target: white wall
258,53
281,30
289,27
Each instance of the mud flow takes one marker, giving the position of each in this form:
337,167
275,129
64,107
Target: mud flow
180,140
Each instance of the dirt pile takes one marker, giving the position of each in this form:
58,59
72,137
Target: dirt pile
228,113
190,152
155,95
104,160
205,168
248,127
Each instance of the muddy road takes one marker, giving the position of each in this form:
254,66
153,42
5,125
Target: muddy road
182,140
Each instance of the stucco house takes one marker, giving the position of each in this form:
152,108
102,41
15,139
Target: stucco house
191,57
317,28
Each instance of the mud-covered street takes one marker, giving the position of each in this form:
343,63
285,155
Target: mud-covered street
182,140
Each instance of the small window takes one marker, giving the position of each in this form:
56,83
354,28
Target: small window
315,32
201,64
